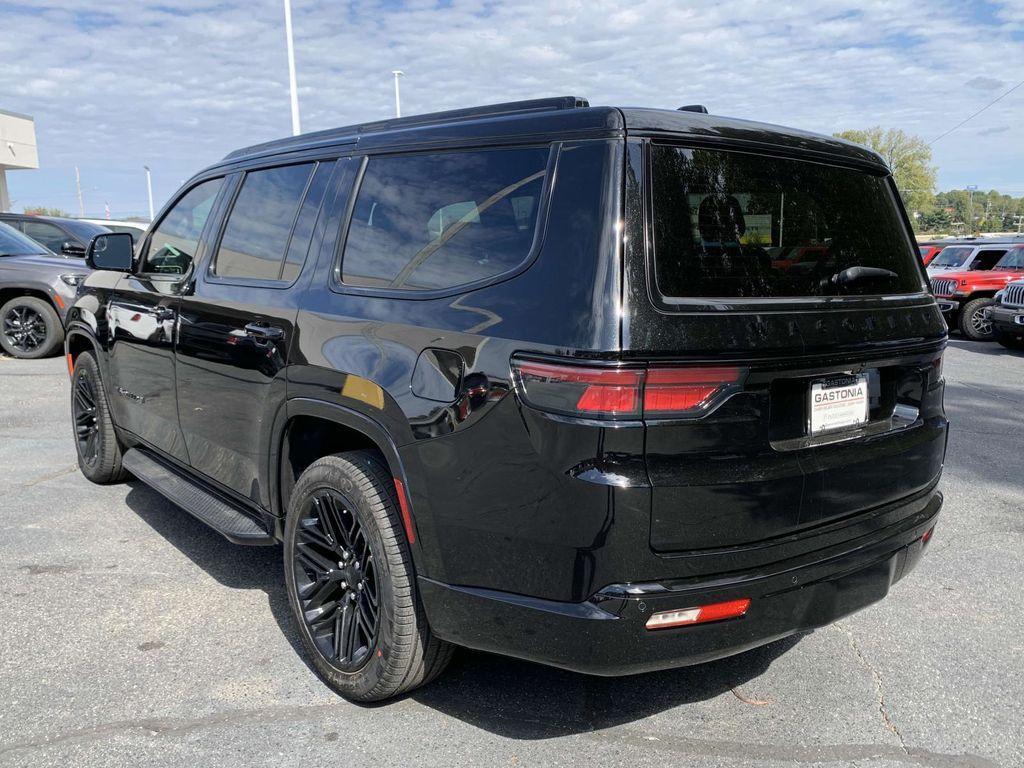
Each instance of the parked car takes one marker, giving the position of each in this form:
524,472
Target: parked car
978,255
37,287
969,294
929,251
136,229
522,378
1007,313
68,237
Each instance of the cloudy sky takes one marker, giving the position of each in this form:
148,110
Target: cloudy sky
116,84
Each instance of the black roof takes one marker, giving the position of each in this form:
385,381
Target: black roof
567,115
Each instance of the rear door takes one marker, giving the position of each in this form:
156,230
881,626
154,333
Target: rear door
821,396
235,329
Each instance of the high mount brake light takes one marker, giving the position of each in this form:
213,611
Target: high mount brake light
621,393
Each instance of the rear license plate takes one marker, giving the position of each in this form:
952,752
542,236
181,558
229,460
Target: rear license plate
837,403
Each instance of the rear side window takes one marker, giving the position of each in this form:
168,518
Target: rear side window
435,221
736,225
257,230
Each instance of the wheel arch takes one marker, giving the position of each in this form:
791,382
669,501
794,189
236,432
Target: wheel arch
306,429
9,292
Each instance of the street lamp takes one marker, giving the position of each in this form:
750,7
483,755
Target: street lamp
398,101
149,189
291,67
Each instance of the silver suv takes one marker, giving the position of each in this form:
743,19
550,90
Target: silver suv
36,289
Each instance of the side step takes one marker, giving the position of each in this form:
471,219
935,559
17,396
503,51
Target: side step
219,514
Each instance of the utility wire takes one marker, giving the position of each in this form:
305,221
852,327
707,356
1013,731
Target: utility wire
964,122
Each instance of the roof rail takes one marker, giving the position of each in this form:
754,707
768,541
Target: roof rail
452,115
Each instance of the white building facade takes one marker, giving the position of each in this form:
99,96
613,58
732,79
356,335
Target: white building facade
17,149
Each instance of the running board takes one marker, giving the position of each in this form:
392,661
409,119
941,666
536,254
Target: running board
224,517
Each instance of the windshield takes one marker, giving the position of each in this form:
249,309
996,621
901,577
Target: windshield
13,243
732,224
1014,259
86,230
953,256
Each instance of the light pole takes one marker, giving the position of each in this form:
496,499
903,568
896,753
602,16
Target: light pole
970,207
398,100
296,130
149,189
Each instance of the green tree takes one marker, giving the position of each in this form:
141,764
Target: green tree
910,160
40,211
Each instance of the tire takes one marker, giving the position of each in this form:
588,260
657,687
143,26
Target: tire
343,527
971,323
30,328
96,443
1009,341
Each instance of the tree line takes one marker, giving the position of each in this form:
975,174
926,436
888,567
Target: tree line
957,211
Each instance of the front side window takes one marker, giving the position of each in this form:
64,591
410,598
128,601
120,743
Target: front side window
260,223
173,245
435,221
737,225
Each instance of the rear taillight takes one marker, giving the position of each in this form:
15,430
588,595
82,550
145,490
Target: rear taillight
622,393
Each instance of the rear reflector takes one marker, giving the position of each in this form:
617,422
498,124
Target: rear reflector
928,535
621,393
700,615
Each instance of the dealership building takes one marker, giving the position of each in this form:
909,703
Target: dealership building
17,149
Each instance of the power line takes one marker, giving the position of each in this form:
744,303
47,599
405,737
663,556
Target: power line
964,122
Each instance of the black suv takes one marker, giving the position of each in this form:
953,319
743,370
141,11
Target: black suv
533,379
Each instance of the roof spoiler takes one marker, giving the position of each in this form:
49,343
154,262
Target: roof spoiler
693,108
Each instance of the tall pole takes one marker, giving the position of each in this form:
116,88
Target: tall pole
78,188
149,190
398,99
296,130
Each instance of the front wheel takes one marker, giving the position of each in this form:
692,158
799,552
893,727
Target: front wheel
29,328
351,583
973,324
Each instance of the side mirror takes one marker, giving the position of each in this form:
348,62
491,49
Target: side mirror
113,252
72,249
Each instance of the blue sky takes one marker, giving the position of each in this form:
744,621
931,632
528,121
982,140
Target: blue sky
176,85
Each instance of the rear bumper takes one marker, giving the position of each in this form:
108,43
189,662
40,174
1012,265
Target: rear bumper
605,635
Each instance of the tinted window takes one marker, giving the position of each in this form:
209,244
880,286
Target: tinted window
173,244
303,233
13,243
84,230
987,259
1014,259
729,224
446,219
53,237
257,229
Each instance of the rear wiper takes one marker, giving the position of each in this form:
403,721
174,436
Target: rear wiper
856,274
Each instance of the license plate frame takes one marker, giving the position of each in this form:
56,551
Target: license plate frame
837,403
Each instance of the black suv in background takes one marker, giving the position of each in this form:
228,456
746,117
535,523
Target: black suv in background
68,237
531,379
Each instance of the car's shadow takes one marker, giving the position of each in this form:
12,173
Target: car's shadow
505,696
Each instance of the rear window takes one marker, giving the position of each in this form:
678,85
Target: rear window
736,225
953,256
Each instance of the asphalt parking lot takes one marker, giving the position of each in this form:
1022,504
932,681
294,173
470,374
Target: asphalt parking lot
130,634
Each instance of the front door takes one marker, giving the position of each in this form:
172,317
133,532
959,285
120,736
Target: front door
235,329
141,317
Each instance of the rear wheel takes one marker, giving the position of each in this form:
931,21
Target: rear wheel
30,328
99,452
973,324
351,582
1009,341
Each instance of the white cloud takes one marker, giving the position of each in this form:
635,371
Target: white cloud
177,86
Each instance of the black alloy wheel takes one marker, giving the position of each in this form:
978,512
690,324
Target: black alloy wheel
84,413
336,581
24,329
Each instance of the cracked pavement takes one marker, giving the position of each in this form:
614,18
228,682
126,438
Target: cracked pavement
132,635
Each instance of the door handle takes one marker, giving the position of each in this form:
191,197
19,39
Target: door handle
264,332
163,313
